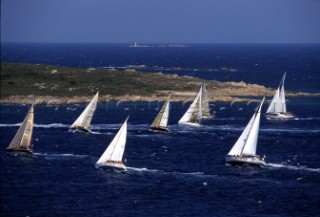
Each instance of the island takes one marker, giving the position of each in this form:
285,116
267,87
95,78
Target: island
47,84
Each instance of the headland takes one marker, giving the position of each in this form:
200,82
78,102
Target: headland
47,84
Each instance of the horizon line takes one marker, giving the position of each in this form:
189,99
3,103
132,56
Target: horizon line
170,43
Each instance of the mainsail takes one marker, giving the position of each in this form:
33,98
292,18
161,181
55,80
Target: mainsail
85,118
205,103
114,153
161,121
278,103
194,113
22,139
247,142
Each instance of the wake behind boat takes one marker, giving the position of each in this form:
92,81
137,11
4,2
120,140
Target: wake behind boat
193,115
160,123
83,121
112,157
277,109
21,142
243,151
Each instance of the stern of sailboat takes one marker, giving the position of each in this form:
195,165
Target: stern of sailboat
161,129
112,166
189,124
25,152
75,127
208,117
279,116
243,160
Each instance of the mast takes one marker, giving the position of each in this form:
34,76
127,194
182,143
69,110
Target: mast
24,134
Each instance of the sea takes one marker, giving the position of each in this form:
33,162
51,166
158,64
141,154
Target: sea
179,173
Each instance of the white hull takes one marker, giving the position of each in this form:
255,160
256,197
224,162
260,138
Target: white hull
208,117
111,166
245,160
189,124
280,116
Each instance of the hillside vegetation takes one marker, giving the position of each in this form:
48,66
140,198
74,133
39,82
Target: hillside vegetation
18,81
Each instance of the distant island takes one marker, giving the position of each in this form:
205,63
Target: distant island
22,83
136,45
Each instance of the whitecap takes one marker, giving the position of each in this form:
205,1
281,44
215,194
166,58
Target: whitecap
172,173
291,130
66,155
307,119
53,125
291,167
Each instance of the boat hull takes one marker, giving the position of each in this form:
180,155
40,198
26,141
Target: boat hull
23,153
111,166
208,117
280,116
189,124
159,129
81,129
245,161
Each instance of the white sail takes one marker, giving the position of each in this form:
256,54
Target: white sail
24,134
85,118
199,114
165,116
250,147
161,121
194,113
205,103
238,146
247,142
278,103
283,98
275,105
115,150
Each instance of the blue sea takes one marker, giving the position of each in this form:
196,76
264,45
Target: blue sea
259,64
180,173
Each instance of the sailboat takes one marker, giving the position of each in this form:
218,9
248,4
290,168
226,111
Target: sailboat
243,151
277,108
205,104
193,115
84,120
21,142
161,121
112,157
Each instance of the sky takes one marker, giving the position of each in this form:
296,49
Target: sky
160,21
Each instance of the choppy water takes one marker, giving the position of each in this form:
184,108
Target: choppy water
181,173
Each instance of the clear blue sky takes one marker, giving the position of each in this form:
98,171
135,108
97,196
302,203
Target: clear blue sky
161,21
